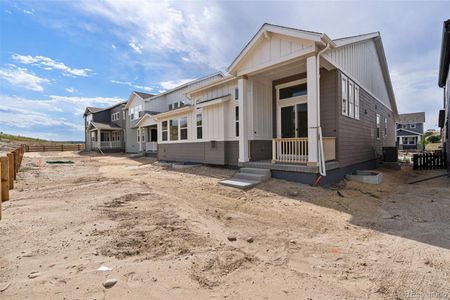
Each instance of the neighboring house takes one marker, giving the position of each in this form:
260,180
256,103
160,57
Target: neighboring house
104,128
143,133
444,82
133,112
295,102
410,131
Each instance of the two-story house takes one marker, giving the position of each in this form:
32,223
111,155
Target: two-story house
104,128
410,131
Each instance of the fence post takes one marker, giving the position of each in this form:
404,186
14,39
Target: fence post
16,162
4,164
44,148
11,170
62,147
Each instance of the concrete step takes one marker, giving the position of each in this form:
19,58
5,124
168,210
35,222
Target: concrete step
239,183
256,171
252,176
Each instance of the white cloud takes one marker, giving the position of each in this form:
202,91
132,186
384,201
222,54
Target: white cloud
137,48
70,90
162,26
29,12
113,46
136,86
47,63
22,78
8,11
170,84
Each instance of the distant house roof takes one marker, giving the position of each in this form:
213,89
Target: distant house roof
418,117
144,95
104,126
93,110
445,54
406,132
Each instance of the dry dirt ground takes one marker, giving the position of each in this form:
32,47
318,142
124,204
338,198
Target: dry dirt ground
165,233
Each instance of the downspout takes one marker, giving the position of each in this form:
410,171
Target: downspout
321,156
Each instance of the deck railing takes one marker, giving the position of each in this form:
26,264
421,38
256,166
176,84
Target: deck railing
110,144
295,150
151,146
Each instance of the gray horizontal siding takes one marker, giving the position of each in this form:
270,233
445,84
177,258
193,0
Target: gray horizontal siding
356,139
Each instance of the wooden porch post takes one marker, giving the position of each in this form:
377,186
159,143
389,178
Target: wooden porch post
243,126
311,77
99,139
4,171
11,170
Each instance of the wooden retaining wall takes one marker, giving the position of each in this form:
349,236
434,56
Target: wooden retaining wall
9,166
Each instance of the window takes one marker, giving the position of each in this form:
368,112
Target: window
124,115
409,140
173,130
236,94
89,118
236,117
164,130
404,126
115,116
356,102
293,91
170,106
378,126
199,126
175,105
138,136
182,103
351,100
183,129
412,125
385,126
344,88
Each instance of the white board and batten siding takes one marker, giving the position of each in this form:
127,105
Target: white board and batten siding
273,49
361,62
261,106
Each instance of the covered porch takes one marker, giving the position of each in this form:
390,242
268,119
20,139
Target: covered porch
105,136
147,134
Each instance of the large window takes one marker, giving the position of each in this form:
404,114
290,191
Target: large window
411,140
356,102
385,126
134,112
378,126
199,126
173,130
344,89
164,130
351,100
293,91
183,129
236,117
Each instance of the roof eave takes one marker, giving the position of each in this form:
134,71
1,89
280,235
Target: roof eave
445,54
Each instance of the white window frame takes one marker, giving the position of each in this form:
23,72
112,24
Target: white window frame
199,113
378,133
351,99
236,121
165,130
182,128
413,125
385,126
170,129
356,102
138,136
344,95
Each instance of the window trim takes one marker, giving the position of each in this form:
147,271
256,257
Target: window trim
183,128
351,99
378,127
385,126
200,113
357,106
236,121
165,131
411,126
344,95
292,100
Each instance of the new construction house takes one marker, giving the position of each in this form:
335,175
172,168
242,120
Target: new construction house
294,102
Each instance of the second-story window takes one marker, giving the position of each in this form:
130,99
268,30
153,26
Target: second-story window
385,126
378,126
412,125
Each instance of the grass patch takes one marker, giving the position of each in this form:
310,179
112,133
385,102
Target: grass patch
18,138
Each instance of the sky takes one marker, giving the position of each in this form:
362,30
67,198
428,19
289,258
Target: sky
57,57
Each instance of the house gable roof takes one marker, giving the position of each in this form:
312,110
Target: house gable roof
267,29
417,117
445,54
403,132
104,126
140,95
93,110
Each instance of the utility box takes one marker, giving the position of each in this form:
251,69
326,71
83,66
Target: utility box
390,154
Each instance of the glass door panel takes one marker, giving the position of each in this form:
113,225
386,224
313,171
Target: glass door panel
302,120
287,122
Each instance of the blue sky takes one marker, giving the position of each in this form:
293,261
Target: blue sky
57,57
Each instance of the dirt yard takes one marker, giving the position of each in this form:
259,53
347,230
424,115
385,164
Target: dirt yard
166,235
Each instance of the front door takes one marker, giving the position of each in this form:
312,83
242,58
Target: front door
292,110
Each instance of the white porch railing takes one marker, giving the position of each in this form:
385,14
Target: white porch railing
151,146
295,150
110,144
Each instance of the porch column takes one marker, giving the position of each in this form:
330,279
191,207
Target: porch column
139,137
311,77
243,126
98,139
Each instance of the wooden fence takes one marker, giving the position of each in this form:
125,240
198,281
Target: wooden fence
9,166
430,161
54,147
